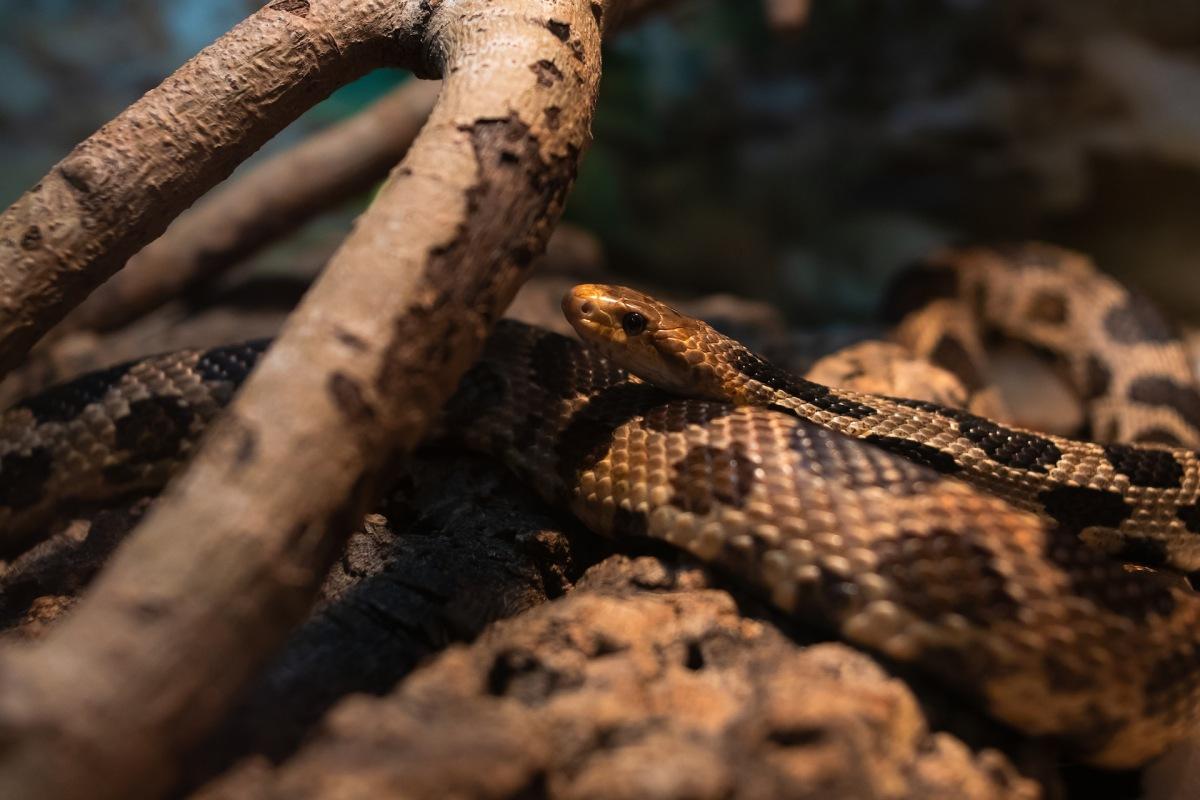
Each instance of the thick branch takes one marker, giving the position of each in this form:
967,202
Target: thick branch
230,557
273,200
119,189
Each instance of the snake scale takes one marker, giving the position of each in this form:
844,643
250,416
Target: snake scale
858,513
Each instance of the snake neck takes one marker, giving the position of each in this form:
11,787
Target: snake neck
749,379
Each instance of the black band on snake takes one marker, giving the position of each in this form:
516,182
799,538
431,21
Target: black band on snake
927,534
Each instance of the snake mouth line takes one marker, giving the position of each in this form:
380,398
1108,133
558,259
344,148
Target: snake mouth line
599,309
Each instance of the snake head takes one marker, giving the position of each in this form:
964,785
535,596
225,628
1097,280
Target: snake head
648,338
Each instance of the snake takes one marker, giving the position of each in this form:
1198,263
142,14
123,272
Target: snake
928,535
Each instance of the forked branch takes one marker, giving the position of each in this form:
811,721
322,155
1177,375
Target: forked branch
227,562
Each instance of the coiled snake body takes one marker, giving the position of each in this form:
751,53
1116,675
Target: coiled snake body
846,509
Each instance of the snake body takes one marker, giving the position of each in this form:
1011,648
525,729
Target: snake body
1138,502
122,430
1045,632
1121,355
844,509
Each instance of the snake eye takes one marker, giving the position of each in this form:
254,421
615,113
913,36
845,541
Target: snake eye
633,323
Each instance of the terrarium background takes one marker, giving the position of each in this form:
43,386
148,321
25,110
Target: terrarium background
799,167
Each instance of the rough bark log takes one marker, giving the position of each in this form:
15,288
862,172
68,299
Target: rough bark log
458,544
268,203
119,189
229,559
643,682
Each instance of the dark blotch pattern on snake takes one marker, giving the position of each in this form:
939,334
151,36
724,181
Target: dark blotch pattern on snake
1120,492
1133,375
869,539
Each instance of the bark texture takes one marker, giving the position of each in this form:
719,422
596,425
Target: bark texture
230,558
456,544
270,202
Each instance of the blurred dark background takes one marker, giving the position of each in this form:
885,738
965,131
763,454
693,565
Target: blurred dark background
802,165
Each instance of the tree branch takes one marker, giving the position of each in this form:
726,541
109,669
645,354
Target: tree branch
229,559
119,189
268,203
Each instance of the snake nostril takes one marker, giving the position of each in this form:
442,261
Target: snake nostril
586,307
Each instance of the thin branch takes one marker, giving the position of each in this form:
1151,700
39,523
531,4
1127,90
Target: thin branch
268,203
229,559
120,188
